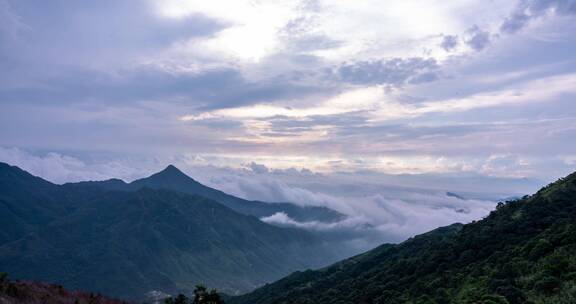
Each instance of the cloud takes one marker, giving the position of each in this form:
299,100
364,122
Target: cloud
258,168
96,32
11,26
381,208
396,71
478,39
515,22
570,160
380,218
332,31
59,168
449,42
505,164
300,34
309,84
542,90
376,214
270,189
350,223
528,10
197,90
113,53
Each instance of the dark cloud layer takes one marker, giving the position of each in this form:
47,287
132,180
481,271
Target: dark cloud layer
219,88
82,31
63,52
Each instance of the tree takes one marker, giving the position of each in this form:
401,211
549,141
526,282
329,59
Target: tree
203,296
181,299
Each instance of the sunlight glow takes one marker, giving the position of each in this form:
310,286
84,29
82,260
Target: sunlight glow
254,25
351,101
258,29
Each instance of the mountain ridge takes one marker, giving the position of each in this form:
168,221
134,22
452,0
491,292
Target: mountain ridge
126,243
173,178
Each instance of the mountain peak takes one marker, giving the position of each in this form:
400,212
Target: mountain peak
170,178
171,168
170,173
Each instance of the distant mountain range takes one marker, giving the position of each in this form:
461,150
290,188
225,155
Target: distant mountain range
166,232
523,252
172,178
126,239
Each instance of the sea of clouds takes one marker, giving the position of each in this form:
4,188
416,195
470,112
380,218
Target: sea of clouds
378,207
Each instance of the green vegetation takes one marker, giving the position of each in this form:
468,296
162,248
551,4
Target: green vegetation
523,252
127,243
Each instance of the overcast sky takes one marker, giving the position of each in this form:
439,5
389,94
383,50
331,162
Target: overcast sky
480,90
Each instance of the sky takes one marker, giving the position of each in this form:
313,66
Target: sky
297,100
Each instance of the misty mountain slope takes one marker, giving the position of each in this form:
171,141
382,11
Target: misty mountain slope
126,243
172,178
523,252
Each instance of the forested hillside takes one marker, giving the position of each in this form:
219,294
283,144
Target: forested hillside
523,252
126,243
